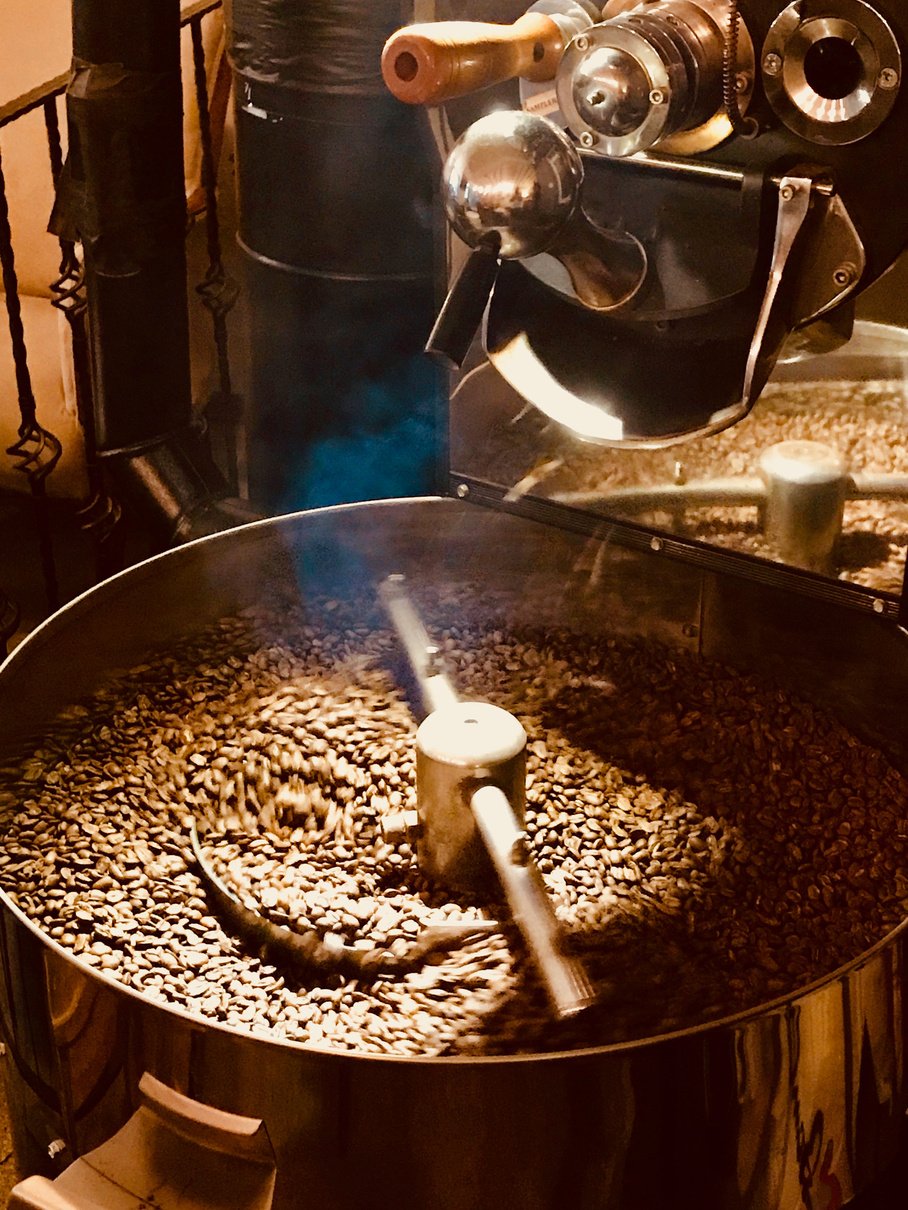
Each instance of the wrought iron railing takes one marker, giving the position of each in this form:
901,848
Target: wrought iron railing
36,451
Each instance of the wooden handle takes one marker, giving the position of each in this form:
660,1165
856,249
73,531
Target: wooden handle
430,63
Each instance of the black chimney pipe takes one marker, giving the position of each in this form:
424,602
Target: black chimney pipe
122,195
339,225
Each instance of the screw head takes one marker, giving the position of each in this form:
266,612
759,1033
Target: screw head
845,274
582,42
586,138
772,64
888,78
657,97
786,193
462,491
742,81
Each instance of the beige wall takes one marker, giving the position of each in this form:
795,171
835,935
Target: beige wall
35,45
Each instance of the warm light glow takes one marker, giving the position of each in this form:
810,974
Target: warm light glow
518,365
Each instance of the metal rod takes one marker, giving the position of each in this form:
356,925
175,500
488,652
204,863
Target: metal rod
37,451
733,492
705,170
217,291
737,492
424,656
19,106
566,983
877,485
100,512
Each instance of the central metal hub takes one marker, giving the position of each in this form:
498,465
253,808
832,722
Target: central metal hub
807,483
643,75
459,748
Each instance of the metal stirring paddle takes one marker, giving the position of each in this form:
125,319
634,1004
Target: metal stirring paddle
471,789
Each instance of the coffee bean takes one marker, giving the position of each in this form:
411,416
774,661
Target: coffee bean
709,841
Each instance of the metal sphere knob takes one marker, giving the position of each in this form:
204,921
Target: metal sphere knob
511,183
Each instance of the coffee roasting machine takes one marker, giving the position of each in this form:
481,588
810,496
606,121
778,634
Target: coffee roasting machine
660,217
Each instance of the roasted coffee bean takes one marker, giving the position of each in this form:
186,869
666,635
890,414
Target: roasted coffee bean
709,842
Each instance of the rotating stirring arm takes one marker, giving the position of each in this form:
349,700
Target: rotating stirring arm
423,655
565,979
471,785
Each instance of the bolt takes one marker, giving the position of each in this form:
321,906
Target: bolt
520,850
879,606
772,64
435,664
656,544
399,827
742,81
462,491
586,138
845,274
888,78
786,193
657,97
582,43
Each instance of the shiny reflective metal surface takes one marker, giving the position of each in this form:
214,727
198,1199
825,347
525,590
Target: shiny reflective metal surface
773,1110
511,187
637,78
710,491
806,486
511,183
832,76
729,273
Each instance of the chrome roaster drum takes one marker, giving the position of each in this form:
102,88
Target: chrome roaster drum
753,1112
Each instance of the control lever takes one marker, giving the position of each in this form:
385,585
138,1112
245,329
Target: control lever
511,188
832,232
437,61
471,788
462,311
794,206
512,183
